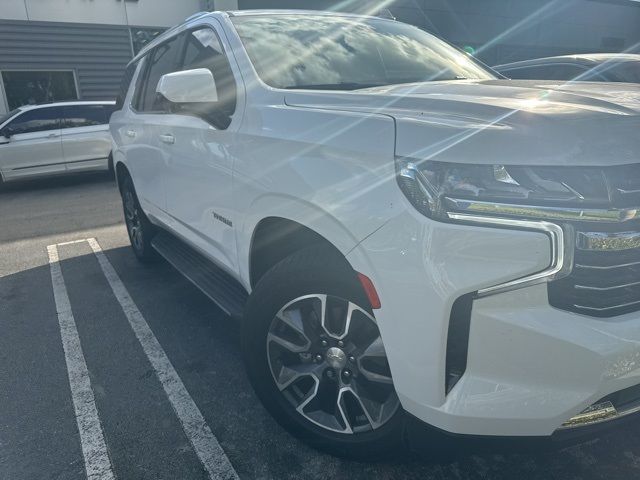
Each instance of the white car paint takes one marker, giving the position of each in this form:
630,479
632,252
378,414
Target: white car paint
54,151
326,160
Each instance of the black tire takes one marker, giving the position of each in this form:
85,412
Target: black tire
315,270
141,231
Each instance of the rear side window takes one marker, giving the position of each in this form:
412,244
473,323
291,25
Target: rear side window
124,85
37,120
163,59
86,115
136,100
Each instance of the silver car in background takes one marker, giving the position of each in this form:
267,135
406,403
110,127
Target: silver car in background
55,138
596,67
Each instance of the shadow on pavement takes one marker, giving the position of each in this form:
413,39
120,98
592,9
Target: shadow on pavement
38,435
58,205
57,181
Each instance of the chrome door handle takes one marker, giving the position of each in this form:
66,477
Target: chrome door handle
170,139
131,133
52,135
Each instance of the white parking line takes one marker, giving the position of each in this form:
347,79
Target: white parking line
193,423
94,448
71,242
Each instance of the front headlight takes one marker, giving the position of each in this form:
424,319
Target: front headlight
434,188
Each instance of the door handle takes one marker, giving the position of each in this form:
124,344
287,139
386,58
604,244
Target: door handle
53,135
167,138
131,133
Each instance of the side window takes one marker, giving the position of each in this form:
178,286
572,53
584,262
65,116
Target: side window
523,73
623,72
136,100
547,72
204,50
163,59
124,85
86,115
37,120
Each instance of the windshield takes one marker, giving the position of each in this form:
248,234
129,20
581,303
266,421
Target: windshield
346,53
8,116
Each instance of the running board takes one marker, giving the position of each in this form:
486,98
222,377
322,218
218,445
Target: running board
214,282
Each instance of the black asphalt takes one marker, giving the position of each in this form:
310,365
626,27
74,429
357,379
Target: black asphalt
38,434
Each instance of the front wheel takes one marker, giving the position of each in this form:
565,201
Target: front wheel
139,228
316,359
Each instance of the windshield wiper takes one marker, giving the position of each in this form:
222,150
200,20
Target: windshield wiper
334,86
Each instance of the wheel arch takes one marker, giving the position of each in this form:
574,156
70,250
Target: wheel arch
284,226
276,238
121,171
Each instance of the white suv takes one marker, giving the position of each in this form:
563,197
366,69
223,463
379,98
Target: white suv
404,234
55,138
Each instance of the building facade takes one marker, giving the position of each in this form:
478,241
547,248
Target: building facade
52,50
77,49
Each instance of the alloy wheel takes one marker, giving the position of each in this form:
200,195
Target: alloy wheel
327,359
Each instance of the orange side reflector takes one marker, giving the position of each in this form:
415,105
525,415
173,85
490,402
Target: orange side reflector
370,290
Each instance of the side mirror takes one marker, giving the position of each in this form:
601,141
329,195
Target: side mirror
7,132
189,86
4,139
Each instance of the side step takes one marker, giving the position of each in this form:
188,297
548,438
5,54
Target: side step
214,282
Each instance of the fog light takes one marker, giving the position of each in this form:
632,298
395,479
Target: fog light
594,414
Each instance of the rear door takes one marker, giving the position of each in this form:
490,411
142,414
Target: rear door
35,147
86,141
148,155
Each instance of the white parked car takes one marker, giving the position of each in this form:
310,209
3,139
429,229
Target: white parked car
404,234
55,138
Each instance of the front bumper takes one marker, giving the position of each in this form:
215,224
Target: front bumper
530,367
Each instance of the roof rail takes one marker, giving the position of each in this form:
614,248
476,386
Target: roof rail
196,15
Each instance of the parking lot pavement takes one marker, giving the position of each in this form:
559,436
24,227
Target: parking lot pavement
139,375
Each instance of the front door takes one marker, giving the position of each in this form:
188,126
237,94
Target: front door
34,147
199,176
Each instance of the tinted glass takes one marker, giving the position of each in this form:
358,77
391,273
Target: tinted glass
143,36
625,72
309,51
548,72
203,50
138,92
86,115
12,113
36,87
124,85
37,120
163,59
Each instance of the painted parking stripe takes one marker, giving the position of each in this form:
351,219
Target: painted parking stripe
94,448
193,423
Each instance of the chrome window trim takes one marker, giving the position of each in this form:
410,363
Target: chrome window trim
612,215
560,253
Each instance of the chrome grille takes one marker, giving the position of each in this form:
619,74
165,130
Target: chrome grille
605,281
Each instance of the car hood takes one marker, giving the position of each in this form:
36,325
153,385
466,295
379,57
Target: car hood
502,121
